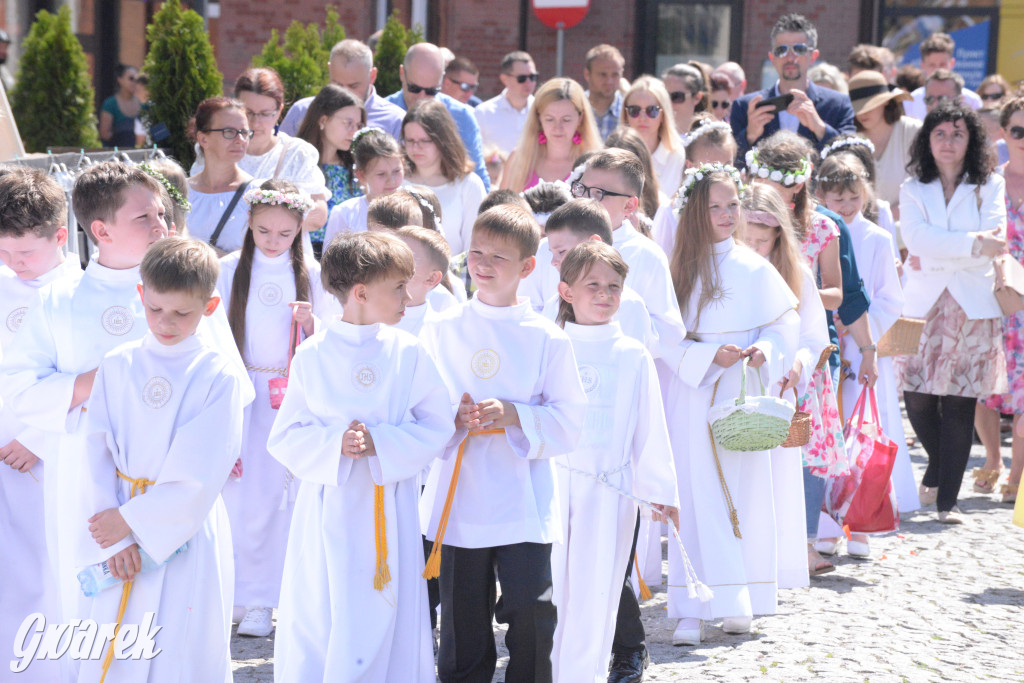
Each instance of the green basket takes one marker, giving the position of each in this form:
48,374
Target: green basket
757,423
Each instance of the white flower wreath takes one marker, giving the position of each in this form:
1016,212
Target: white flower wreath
298,200
692,176
787,178
846,142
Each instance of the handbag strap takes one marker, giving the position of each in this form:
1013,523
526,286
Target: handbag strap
293,341
228,211
280,161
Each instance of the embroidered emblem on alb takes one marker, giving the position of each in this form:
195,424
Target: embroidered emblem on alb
719,295
117,320
156,393
15,318
365,376
485,363
270,294
590,378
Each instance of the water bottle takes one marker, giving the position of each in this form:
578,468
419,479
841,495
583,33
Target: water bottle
97,578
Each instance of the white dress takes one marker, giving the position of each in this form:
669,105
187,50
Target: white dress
260,503
207,210
333,625
625,443
173,415
741,572
349,216
460,204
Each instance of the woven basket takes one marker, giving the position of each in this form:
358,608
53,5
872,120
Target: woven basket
756,423
826,353
902,339
799,428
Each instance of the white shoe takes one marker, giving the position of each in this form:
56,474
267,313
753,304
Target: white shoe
859,549
736,625
689,631
237,614
827,546
257,623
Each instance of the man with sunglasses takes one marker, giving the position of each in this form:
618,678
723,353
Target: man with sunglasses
815,113
602,71
937,53
461,79
351,67
421,74
502,118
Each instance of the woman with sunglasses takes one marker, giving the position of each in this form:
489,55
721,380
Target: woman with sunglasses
273,154
221,130
686,90
119,111
559,128
986,420
994,90
721,97
646,110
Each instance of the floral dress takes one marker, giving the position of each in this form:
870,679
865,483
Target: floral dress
340,188
825,453
1012,403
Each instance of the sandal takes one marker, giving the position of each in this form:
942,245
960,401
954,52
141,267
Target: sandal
1009,492
985,480
816,564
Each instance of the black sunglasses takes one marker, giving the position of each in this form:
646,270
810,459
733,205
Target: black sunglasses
993,95
799,49
724,104
1016,132
417,89
578,190
464,87
634,110
678,97
522,78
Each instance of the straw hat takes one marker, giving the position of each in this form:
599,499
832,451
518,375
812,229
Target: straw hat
869,89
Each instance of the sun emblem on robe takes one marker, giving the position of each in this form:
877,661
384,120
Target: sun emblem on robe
485,363
117,320
15,318
719,295
590,378
270,294
156,393
365,376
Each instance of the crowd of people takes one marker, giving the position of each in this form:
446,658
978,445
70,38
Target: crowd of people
376,357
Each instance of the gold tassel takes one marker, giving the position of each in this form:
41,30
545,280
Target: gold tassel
433,568
383,576
645,592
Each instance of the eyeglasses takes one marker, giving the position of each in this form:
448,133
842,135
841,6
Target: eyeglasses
464,87
724,104
941,99
678,97
417,89
578,190
232,133
265,115
993,96
799,49
417,143
522,78
634,110
1016,132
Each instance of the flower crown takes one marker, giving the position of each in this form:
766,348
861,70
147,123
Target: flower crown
176,196
692,176
787,178
577,174
846,142
704,128
358,135
841,178
298,201
427,206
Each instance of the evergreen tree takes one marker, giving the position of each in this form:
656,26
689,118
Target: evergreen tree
182,73
53,98
389,55
302,60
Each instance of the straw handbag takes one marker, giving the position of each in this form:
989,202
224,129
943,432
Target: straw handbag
799,427
754,423
902,339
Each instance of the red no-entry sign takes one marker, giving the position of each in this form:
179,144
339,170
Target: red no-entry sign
560,13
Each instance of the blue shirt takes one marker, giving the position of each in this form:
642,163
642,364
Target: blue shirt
609,121
469,130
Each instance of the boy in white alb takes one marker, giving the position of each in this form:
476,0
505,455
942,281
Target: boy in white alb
33,232
163,430
364,413
491,503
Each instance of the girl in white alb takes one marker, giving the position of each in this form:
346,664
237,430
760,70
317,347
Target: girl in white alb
378,168
262,285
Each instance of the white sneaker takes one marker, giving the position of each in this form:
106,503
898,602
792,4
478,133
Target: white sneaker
736,625
257,623
689,631
237,614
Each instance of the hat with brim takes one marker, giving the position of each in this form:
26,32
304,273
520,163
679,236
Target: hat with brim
869,89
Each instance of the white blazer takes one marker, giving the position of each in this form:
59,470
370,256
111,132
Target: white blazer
942,236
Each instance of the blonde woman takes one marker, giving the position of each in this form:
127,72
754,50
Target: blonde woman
647,110
559,128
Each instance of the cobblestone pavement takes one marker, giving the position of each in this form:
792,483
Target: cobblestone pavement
934,603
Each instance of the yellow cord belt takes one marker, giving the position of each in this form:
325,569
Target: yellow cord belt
433,568
383,576
138,486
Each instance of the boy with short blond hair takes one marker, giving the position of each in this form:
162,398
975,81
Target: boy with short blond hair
163,430
490,503
365,412
33,232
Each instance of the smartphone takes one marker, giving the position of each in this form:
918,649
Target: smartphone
780,103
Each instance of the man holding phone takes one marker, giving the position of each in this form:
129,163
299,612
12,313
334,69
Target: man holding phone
793,103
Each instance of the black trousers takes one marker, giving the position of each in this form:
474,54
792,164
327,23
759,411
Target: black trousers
629,630
945,426
433,587
467,652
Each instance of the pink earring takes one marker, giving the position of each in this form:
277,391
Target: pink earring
577,138
541,138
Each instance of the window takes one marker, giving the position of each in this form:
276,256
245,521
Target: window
682,30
